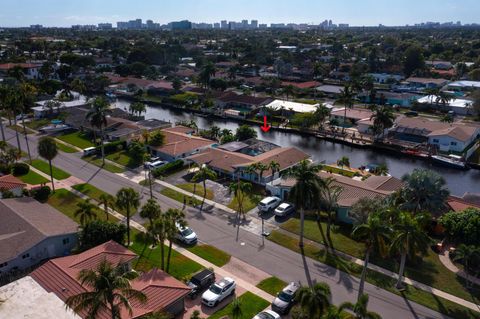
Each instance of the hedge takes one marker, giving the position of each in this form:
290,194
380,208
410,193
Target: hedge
20,169
111,147
167,168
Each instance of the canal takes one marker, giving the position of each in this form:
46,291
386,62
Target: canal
458,181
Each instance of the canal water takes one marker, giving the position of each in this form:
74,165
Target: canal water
458,181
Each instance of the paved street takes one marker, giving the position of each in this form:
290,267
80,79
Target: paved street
215,229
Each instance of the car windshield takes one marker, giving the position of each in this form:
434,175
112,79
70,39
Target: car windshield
281,208
215,289
284,297
186,232
265,315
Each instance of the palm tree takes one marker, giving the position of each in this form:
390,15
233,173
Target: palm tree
107,201
360,308
343,161
383,118
240,190
315,300
158,232
215,132
203,174
151,210
347,97
97,116
129,200
137,108
47,148
408,240
382,170
25,94
236,312
289,90
375,234
468,255
261,169
14,104
173,218
251,170
274,166
3,107
321,114
109,290
329,194
85,211
206,74
306,190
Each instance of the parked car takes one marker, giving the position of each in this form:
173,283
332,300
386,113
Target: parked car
268,203
285,299
200,281
411,113
267,314
89,151
156,164
284,209
219,291
150,161
185,234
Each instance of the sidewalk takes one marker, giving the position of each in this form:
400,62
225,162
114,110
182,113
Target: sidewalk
447,262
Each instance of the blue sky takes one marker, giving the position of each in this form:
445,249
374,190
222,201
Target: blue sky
356,12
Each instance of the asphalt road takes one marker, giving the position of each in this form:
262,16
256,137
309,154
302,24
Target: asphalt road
215,228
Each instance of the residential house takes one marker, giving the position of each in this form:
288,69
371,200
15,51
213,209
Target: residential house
352,190
301,85
463,86
292,107
30,70
332,91
439,65
385,78
179,145
402,99
28,235
456,105
352,117
164,293
44,109
426,83
12,184
244,104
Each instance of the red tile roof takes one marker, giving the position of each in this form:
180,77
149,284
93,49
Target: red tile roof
147,84
8,66
60,277
302,85
177,143
458,204
10,182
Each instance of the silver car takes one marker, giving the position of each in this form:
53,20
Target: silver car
284,209
285,299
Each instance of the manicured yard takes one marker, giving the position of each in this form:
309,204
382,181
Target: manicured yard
198,190
64,148
78,139
212,254
179,197
338,170
122,158
439,304
249,203
251,305
272,285
92,192
33,178
43,166
97,161
181,267
36,124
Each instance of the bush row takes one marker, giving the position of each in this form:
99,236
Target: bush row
167,168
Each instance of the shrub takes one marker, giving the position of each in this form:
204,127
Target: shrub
41,194
20,169
98,232
111,147
167,168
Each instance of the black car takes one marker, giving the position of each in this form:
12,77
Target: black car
200,281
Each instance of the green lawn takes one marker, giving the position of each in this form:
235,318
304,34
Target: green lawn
122,158
36,124
439,304
272,285
181,267
339,170
77,139
198,190
33,178
430,271
249,203
64,148
212,254
43,166
97,161
251,305
93,192
179,197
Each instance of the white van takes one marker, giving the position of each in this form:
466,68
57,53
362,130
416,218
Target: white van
89,151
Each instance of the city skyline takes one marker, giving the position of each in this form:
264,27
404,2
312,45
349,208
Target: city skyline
367,13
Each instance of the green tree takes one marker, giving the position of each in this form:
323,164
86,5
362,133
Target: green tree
129,200
314,300
151,210
173,217
462,227
203,174
329,193
274,167
347,98
408,240
413,60
158,232
208,71
236,312
137,108
85,211
241,190
383,118
344,161
245,132
107,201
97,116
109,290
136,151
177,84
469,256
360,308
47,148
97,232
157,139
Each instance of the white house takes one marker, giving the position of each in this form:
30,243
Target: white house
459,106
293,106
463,86
455,138
386,77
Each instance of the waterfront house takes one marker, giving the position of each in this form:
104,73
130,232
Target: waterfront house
426,83
463,86
292,107
403,99
27,235
301,85
12,184
164,293
353,116
456,105
44,109
242,103
352,190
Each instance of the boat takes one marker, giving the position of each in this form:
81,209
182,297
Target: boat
451,160
54,128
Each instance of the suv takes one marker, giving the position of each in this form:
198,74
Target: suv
200,281
156,164
219,291
185,234
150,161
268,203
285,299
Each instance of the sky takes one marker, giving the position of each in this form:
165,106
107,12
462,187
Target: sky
64,13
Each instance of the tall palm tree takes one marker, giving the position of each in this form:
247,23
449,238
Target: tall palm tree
109,291
107,201
215,132
289,90
151,210
208,71
321,113
329,193
375,235
274,166
251,170
137,108
241,190
383,118
129,200
360,308
97,115
408,240
347,97
14,104
314,301
236,312
3,107
158,232
85,211
173,218
203,174
47,148
469,255
261,169
343,161
306,190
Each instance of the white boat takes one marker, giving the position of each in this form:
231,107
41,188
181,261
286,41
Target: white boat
54,128
451,160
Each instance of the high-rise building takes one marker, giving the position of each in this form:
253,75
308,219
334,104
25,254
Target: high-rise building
216,25
254,24
245,24
105,26
224,24
180,25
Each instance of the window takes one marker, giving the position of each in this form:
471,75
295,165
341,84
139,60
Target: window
3,264
66,241
25,256
453,143
435,140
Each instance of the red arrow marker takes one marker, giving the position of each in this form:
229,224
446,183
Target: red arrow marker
265,126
